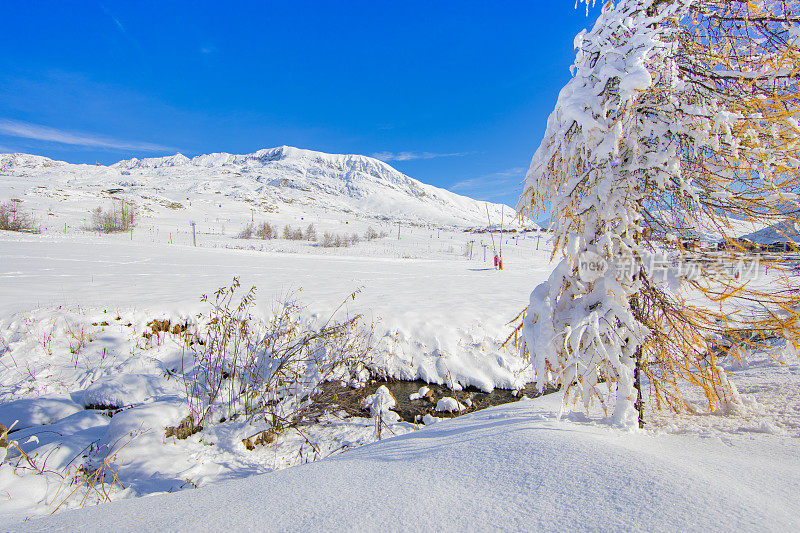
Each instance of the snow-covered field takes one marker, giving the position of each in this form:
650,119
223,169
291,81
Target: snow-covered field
74,307
74,311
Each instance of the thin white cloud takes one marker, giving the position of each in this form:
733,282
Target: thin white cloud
502,185
121,28
409,156
26,130
117,23
501,178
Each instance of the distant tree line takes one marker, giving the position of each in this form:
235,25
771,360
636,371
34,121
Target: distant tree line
266,231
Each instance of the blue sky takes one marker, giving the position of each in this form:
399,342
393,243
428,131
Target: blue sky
455,94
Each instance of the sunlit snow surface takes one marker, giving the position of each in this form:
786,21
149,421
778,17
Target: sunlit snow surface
513,468
438,315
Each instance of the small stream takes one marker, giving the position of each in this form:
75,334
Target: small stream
350,400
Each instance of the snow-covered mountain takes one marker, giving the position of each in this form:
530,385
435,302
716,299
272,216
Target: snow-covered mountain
785,231
271,178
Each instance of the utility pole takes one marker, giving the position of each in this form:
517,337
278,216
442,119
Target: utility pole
194,234
502,215
398,230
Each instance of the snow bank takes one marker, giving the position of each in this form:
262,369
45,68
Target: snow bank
37,411
122,390
514,467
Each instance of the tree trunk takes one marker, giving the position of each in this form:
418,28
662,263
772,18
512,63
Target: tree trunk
637,384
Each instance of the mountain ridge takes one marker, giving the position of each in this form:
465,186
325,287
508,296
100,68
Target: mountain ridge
279,175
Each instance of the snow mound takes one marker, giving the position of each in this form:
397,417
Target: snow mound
37,411
123,390
449,405
514,467
429,419
423,391
380,402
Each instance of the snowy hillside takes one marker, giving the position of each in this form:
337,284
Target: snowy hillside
270,180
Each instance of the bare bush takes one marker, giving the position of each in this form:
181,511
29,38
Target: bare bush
370,234
247,232
292,234
334,240
296,234
311,233
265,231
14,218
241,366
121,217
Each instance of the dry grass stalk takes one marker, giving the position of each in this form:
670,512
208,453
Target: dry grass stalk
239,366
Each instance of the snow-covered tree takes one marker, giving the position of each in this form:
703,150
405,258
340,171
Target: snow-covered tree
681,118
